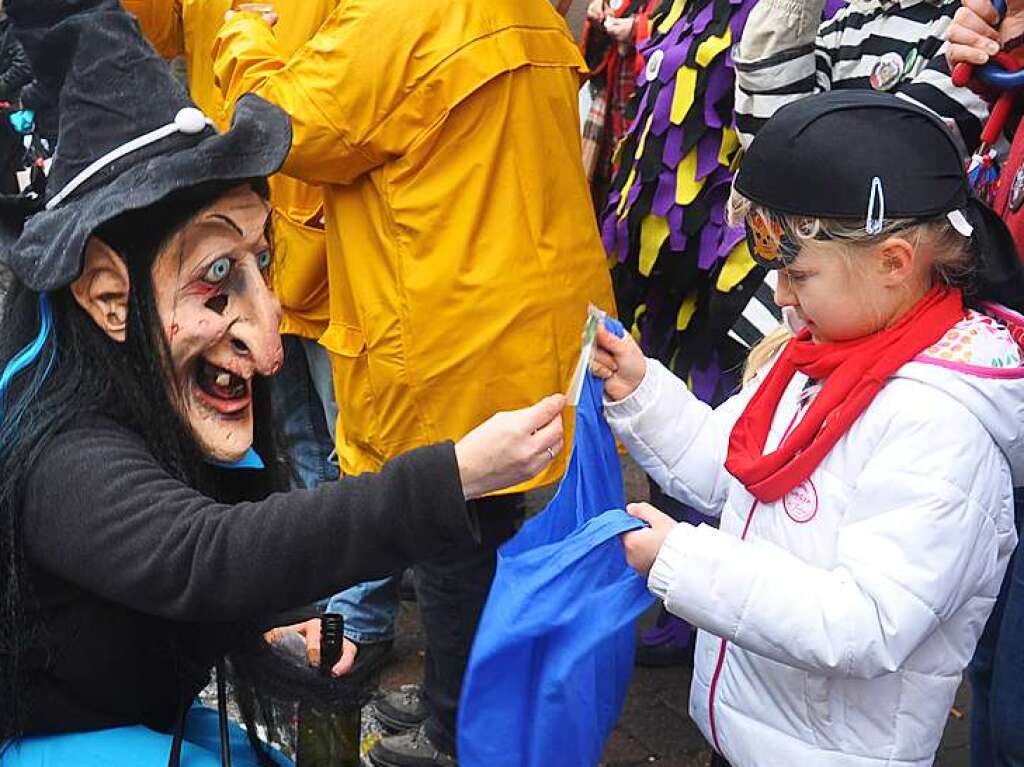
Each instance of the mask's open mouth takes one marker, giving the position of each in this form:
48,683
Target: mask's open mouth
221,389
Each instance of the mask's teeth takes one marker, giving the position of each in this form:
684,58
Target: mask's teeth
224,380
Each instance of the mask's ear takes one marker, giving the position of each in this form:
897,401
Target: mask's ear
102,289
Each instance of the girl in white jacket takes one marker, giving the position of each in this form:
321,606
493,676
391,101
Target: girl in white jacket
863,478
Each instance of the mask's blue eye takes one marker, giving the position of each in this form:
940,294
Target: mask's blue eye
218,271
263,260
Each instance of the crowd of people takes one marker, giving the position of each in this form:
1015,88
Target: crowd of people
291,320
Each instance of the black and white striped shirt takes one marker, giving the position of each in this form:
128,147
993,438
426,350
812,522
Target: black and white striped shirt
848,50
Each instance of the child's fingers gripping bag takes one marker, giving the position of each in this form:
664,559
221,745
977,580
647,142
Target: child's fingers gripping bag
553,655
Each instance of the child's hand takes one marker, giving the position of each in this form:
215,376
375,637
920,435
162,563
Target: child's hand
642,546
619,363
595,11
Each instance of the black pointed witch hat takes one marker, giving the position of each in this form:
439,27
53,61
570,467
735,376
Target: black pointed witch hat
129,134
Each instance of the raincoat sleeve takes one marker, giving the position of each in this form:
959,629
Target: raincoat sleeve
927,529
678,440
161,23
102,514
351,106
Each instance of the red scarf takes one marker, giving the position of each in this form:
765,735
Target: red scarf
853,373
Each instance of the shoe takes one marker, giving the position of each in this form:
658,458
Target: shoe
669,642
403,709
410,749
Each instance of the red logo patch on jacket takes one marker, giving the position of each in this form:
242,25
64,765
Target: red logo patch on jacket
801,503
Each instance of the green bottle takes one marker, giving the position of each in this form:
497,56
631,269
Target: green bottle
328,738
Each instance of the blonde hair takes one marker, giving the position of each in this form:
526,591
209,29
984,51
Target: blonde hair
952,260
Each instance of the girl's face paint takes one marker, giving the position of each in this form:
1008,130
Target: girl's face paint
843,298
220,319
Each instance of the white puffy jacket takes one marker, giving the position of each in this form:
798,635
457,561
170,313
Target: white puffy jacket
836,622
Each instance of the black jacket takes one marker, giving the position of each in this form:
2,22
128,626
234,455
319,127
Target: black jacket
15,69
127,563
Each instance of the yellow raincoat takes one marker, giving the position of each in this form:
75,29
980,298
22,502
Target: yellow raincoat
188,28
462,249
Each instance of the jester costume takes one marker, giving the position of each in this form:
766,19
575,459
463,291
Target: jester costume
682,275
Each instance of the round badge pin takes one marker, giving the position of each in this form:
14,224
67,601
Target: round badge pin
1017,190
654,65
801,503
615,5
887,71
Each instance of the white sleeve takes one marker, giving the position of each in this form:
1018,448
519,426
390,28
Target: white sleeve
678,440
923,533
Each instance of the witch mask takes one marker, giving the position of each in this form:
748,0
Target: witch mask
219,318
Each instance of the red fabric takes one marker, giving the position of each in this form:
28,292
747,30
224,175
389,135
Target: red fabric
1004,200
853,373
642,27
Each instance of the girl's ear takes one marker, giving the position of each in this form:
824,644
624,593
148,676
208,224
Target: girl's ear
897,261
102,289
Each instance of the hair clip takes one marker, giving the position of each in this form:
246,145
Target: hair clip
875,220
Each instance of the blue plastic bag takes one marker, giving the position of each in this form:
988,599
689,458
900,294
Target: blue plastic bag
553,656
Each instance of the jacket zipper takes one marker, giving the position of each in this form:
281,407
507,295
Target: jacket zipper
721,653
725,643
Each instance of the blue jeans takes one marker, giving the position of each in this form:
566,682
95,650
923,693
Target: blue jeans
138,746
370,610
303,398
302,414
997,672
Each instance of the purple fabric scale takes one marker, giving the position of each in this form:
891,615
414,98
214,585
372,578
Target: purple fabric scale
673,151
622,236
710,236
707,154
609,236
663,110
674,58
721,82
707,13
731,237
712,239
705,380
665,194
676,238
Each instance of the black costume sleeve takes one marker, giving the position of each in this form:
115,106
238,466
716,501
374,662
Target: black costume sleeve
100,513
17,71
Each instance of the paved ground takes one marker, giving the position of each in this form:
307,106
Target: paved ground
654,728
